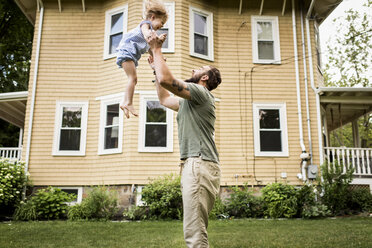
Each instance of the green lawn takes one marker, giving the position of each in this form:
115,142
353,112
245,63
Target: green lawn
341,232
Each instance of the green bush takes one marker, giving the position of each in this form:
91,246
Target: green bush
281,200
242,204
12,181
163,196
163,200
360,200
25,211
335,187
100,203
51,203
219,210
317,210
306,198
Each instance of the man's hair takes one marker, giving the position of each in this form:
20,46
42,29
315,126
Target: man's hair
157,8
214,78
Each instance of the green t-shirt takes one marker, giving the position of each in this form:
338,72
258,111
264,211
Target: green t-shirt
196,118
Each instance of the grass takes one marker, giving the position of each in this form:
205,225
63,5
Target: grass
340,232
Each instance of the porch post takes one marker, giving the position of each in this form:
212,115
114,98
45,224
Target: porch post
356,133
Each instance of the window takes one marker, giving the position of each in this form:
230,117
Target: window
201,34
73,190
116,26
265,40
156,126
270,130
168,28
70,128
111,125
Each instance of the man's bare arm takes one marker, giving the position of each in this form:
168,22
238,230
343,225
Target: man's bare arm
163,74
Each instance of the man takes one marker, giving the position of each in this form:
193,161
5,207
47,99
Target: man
200,180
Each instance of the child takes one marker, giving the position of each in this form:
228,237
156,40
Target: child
134,44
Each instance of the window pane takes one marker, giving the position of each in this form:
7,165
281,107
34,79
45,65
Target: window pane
155,112
265,49
271,141
111,137
112,117
264,30
117,23
70,192
71,117
201,44
69,140
269,118
114,42
156,135
200,24
163,31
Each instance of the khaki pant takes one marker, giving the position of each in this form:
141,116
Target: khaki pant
200,183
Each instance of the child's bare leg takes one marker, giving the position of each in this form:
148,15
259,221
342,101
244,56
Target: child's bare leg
127,104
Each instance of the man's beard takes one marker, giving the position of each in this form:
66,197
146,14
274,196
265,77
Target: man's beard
194,79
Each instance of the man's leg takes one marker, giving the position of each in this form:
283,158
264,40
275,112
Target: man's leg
200,186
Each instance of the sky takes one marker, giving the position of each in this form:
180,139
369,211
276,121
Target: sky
327,30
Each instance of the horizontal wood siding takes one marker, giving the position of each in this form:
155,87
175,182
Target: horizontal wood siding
72,68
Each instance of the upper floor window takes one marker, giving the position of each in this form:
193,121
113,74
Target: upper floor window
156,126
111,126
116,26
70,128
201,33
265,39
270,130
168,28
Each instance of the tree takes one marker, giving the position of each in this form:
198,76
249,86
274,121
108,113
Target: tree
350,51
16,35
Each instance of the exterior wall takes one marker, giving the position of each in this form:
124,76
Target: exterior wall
72,68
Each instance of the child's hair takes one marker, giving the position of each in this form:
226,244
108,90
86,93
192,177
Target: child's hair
157,8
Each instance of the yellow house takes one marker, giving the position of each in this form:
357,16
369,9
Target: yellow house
271,106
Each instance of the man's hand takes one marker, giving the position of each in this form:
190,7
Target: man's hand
156,41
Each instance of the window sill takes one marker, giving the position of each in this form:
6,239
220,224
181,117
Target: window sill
200,56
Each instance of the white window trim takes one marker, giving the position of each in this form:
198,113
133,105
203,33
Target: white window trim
283,124
101,140
57,124
79,195
275,25
142,136
209,16
139,201
170,22
109,13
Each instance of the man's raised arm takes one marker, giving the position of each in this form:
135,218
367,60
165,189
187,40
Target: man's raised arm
163,74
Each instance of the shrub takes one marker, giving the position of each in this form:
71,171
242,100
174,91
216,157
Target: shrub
25,211
51,203
305,199
100,203
360,200
163,200
317,210
219,210
12,181
335,186
281,200
242,204
163,197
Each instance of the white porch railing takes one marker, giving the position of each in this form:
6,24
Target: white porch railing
358,158
11,152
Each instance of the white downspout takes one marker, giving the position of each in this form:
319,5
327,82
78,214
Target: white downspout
306,86
34,87
303,155
311,72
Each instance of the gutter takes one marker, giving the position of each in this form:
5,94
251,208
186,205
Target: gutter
304,156
28,147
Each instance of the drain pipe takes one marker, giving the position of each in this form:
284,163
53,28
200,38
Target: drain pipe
306,85
304,156
311,72
28,147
